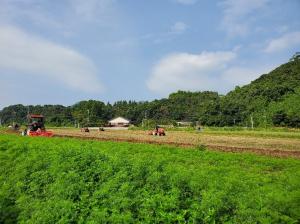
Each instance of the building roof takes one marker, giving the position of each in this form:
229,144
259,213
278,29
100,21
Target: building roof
35,116
119,120
184,122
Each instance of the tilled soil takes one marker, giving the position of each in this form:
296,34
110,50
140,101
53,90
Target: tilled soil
276,147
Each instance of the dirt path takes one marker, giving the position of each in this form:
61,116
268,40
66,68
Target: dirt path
277,147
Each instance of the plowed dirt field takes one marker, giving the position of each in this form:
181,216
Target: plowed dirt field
273,146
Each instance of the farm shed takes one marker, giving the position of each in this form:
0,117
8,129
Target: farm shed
119,122
184,123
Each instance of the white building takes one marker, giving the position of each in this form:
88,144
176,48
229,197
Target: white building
119,122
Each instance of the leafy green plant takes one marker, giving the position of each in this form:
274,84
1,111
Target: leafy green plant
74,181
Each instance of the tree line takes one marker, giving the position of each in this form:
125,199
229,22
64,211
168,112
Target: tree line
271,100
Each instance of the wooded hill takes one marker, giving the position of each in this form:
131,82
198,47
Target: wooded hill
271,100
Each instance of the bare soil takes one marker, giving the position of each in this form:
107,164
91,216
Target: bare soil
277,147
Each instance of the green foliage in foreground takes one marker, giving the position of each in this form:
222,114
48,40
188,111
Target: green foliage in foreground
73,181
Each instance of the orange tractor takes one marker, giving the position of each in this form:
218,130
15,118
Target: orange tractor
36,126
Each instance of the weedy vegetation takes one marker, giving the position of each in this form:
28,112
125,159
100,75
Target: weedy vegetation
63,180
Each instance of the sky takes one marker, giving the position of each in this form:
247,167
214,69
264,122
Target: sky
64,51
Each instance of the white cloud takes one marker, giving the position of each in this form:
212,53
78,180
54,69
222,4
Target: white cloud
155,38
24,53
91,9
183,71
30,11
284,42
237,15
237,76
63,16
282,29
187,2
178,27
212,71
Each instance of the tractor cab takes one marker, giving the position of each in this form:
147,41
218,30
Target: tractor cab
36,126
36,122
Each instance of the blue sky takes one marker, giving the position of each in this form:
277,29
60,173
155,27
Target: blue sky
61,52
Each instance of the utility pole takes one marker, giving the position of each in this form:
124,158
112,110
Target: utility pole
14,117
88,118
252,123
265,118
145,118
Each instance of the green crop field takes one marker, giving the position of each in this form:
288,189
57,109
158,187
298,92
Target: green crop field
60,180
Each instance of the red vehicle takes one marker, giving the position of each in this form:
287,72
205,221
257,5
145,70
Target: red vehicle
36,126
158,131
85,129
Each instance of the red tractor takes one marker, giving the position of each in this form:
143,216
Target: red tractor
85,129
158,131
36,126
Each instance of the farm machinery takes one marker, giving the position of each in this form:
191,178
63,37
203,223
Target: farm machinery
158,131
85,129
36,126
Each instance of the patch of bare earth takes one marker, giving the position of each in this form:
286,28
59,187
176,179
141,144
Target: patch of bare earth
278,147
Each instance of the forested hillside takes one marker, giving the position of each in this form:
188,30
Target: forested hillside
263,98
271,100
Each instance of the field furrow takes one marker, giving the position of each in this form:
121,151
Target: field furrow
274,146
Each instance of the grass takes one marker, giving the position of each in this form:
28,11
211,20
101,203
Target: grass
51,180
